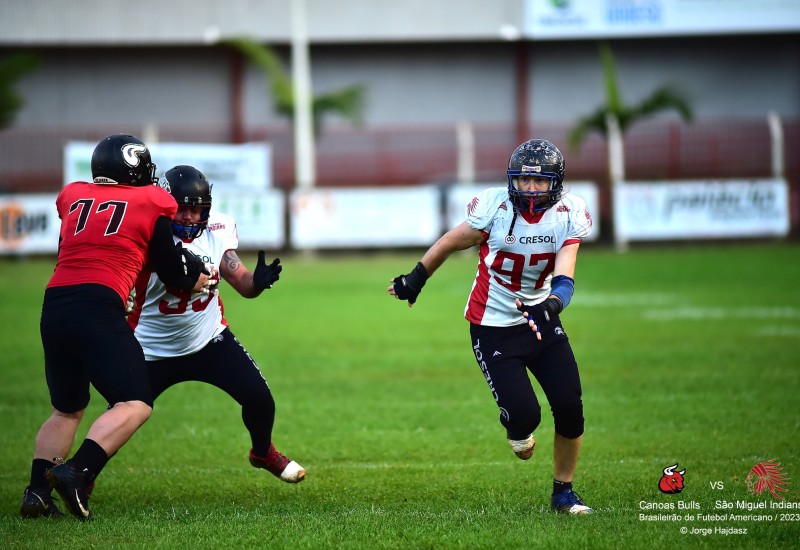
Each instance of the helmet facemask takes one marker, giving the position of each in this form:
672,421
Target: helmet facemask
534,201
188,231
146,175
536,158
189,187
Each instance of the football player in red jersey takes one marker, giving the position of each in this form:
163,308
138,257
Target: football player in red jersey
109,229
528,235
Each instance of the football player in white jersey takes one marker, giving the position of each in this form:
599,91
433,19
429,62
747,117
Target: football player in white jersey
528,235
185,335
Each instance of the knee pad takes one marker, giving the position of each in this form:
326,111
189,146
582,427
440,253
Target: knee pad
520,424
568,420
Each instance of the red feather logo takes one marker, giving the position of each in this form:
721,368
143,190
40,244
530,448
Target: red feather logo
473,204
767,476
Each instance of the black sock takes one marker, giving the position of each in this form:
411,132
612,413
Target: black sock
561,486
39,483
91,457
261,449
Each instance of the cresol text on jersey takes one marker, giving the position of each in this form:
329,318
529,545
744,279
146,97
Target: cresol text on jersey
536,239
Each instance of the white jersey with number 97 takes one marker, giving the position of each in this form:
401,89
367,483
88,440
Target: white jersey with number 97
518,253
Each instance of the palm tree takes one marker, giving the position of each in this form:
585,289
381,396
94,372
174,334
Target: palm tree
12,68
347,103
614,117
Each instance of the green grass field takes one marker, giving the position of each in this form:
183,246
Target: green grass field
688,355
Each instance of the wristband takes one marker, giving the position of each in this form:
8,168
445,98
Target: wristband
417,278
562,287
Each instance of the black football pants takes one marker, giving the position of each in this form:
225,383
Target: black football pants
224,363
505,354
87,340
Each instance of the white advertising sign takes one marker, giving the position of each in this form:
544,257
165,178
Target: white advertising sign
701,209
570,19
248,165
259,216
29,224
365,217
459,195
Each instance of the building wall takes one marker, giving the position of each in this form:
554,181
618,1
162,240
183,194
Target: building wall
413,83
109,22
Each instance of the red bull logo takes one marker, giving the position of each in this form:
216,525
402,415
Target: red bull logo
767,476
671,482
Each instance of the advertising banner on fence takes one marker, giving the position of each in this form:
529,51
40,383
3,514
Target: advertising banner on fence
365,217
248,165
260,216
459,195
701,209
29,224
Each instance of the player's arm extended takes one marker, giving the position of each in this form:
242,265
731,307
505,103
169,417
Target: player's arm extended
233,270
249,283
461,237
407,287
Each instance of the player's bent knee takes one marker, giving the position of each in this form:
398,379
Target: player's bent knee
74,416
518,422
138,411
568,420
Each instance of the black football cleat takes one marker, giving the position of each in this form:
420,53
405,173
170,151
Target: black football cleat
38,505
73,488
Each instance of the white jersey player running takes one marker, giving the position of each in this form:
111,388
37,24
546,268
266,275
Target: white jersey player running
185,335
527,236
518,254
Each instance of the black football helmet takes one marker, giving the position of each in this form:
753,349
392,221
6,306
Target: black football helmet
123,159
191,188
539,158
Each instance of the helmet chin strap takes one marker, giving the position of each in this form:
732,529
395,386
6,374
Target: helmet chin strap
513,221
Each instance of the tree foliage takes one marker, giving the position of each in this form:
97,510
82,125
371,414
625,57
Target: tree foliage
662,99
12,69
347,102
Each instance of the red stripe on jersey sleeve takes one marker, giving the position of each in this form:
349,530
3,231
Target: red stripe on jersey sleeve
480,292
571,241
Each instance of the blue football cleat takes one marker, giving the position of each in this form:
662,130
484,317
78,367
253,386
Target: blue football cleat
568,502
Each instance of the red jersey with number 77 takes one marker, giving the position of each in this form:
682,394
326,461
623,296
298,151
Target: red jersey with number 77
105,232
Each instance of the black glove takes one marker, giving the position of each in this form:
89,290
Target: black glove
193,265
408,287
542,313
265,275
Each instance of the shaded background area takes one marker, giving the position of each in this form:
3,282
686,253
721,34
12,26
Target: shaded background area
163,72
